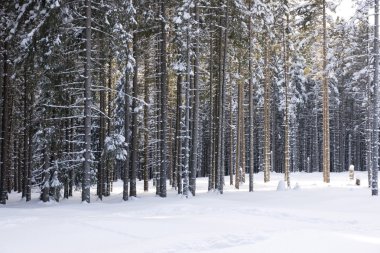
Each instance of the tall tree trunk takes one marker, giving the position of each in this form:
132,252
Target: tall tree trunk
326,117
87,109
211,174
164,102
316,136
239,135
185,136
250,101
221,101
178,157
102,137
286,71
369,111
267,154
375,107
5,127
194,146
134,148
231,160
127,114
46,186
146,131
109,162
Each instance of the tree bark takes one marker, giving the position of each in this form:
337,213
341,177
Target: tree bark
146,131
134,148
164,103
251,105
326,117
194,146
87,109
375,107
286,71
267,152
5,129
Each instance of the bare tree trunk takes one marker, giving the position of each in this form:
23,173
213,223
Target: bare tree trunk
369,111
243,146
146,131
46,186
375,107
286,71
231,160
239,144
221,100
316,137
326,117
178,157
164,103
134,148
211,176
186,134
109,162
87,109
194,146
250,99
5,129
267,153
101,166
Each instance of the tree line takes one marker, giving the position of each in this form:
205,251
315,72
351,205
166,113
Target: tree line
93,91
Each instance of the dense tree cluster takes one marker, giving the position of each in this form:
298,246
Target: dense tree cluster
93,91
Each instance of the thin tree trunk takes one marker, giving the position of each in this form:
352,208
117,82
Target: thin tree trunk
250,99
326,118
239,144
369,111
186,135
46,186
109,162
267,154
194,146
231,167
375,107
211,180
221,100
102,137
146,131
134,148
178,157
164,103
127,114
87,109
5,129
286,71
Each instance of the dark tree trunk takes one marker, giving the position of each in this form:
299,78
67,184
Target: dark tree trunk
164,103
146,130
87,109
5,127
134,147
194,146
375,107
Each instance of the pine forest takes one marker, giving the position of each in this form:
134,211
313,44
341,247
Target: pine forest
164,91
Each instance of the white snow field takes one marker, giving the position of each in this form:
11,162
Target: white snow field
316,217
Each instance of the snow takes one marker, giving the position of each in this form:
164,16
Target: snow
281,185
318,217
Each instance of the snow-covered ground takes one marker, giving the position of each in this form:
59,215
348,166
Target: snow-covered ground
338,217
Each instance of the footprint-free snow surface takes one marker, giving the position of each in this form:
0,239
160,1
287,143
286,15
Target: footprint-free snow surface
311,217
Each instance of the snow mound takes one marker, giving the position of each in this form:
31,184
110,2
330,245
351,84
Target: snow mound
297,187
281,185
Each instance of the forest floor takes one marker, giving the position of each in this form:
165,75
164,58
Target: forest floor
316,217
